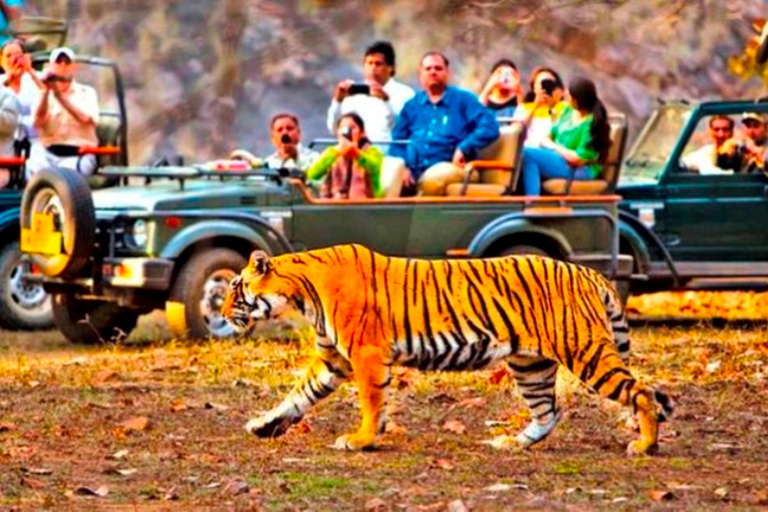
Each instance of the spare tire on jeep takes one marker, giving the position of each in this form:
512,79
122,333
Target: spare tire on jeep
58,222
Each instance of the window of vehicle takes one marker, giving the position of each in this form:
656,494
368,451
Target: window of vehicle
649,155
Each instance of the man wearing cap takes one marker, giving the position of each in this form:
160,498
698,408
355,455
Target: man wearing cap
65,116
755,139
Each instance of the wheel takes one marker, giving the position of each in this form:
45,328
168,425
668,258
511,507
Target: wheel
92,321
193,309
23,305
524,249
65,196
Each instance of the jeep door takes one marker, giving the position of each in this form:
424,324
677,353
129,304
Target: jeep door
381,225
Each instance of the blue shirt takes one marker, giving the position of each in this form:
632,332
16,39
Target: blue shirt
457,120
4,26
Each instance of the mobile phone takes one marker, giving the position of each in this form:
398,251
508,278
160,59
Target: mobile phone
359,89
548,86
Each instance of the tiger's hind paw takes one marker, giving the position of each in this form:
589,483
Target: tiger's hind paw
505,443
269,426
354,442
641,447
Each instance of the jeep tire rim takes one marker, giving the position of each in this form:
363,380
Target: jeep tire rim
25,295
214,292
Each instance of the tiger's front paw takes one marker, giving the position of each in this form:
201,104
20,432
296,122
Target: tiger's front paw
641,447
269,426
354,442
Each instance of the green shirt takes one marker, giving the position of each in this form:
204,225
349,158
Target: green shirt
370,160
573,133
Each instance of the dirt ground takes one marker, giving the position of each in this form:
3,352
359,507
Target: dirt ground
156,425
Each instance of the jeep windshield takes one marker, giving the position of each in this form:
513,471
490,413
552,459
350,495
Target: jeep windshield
648,157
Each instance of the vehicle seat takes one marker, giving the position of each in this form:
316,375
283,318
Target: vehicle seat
610,172
391,177
498,166
108,134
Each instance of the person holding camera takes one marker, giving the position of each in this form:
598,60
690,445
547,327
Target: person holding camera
65,116
746,153
351,169
379,100
24,82
710,158
502,92
542,106
581,138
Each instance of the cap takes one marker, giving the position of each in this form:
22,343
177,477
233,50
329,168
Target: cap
755,116
58,52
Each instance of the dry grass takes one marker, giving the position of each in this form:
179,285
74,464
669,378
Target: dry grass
64,408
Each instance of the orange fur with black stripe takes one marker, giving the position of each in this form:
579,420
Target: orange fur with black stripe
371,312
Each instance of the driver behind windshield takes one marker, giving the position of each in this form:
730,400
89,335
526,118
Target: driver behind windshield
705,160
65,115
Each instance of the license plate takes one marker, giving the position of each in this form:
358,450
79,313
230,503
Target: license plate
41,237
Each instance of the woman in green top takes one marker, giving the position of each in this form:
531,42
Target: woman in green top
351,169
581,137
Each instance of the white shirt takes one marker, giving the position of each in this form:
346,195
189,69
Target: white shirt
61,127
304,160
704,160
28,96
377,114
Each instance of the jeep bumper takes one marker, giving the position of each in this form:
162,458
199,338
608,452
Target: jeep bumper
147,273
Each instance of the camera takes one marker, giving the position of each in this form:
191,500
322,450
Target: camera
548,86
285,139
51,79
347,133
359,89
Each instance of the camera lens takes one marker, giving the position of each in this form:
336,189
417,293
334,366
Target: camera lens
286,139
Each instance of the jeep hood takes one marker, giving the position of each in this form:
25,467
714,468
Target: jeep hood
197,194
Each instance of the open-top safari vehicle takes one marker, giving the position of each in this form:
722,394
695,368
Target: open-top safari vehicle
23,303
175,240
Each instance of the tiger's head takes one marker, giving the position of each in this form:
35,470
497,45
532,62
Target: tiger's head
259,293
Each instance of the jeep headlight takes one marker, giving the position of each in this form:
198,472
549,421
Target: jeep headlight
138,233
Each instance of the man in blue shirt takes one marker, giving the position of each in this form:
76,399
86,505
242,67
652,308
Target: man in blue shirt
9,13
447,126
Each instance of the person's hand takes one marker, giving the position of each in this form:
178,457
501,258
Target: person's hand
345,145
408,178
342,90
458,158
25,63
377,90
542,99
729,146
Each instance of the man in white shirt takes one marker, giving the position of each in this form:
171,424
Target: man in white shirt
381,103
65,115
286,137
705,159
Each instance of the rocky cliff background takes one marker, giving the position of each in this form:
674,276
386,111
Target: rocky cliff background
205,76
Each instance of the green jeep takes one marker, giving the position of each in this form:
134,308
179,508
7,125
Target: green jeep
24,303
687,229
173,236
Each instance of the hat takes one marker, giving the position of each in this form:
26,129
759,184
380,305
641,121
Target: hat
754,116
58,52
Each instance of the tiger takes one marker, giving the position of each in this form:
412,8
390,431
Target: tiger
371,312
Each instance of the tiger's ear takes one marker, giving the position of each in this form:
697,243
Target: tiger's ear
259,263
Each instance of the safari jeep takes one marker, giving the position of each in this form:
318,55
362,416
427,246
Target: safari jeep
23,303
688,229
175,239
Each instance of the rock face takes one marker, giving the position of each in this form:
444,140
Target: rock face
205,76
